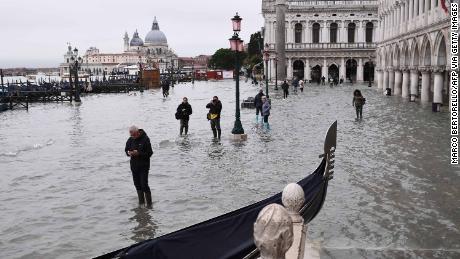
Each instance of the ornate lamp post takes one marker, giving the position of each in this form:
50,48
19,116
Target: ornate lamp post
236,44
266,58
75,65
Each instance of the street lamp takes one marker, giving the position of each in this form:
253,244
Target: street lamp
266,58
236,44
75,65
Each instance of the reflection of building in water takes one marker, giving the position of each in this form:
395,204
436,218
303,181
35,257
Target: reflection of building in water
335,39
154,49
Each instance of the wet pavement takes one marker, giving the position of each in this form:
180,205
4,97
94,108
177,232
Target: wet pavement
66,189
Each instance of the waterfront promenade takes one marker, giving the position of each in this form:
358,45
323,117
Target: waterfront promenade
69,186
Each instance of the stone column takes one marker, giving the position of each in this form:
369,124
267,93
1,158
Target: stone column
343,33
359,70
405,83
379,79
398,82
324,69
307,72
281,38
413,84
385,80
425,93
289,69
438,85
342,70
411,14
402,10
415,13
290,32
308,33
391,79
427,8
421,6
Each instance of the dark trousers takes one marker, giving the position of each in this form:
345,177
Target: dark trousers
258,109
286,93
359,111
215,126
141,180
266,118
184,125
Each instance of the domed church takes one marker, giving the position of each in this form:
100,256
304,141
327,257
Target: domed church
154,50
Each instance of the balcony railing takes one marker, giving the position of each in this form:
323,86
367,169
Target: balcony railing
342,45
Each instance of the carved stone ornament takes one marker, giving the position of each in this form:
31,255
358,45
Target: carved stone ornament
293,198
273,232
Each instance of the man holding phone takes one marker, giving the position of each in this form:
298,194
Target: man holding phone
138,147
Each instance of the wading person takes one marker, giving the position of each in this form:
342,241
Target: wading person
165,88
139,149
285,87
358,103
266,107
301,84
258,103
184,110
215,108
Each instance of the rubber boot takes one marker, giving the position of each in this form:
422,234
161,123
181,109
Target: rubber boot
148,199
140,195
182,130
186,130
219,132
257,118
214,132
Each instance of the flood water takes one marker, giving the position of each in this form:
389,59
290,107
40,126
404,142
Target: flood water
66,190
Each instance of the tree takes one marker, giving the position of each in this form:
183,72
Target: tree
256,44
225,59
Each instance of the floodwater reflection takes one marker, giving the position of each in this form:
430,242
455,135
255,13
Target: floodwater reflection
145,228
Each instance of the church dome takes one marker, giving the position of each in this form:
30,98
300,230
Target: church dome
155,36
136,41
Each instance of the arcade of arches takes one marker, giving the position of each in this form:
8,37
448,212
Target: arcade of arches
415,69
354,69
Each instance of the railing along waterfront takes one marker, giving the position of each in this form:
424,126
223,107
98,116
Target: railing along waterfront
326,46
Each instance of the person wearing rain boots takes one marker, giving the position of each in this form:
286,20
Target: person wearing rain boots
139,149
266,107
258,104
215,108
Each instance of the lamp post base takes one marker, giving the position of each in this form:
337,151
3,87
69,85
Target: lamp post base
239,137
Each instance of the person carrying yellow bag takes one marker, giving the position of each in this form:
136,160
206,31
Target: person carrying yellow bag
215,108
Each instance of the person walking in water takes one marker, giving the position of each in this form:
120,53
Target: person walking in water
215,108
165,88
258,104
184,110
139,149
285,87
266,107
301,84
358,103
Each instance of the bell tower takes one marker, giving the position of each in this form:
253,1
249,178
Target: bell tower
126,41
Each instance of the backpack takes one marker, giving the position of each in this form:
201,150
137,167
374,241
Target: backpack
178,115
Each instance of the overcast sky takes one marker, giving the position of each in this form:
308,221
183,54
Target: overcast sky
34,33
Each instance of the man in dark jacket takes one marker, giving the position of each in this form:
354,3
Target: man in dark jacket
215,108
285,87
138,147
258,103
184,111
165,87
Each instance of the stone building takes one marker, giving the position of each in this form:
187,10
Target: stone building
412,54
154,50
334,39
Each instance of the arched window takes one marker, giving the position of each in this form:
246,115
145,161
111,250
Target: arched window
369,32
333,32
298,33
316,28
351,32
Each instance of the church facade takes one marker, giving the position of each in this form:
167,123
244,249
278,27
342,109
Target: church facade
334,39
154,50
